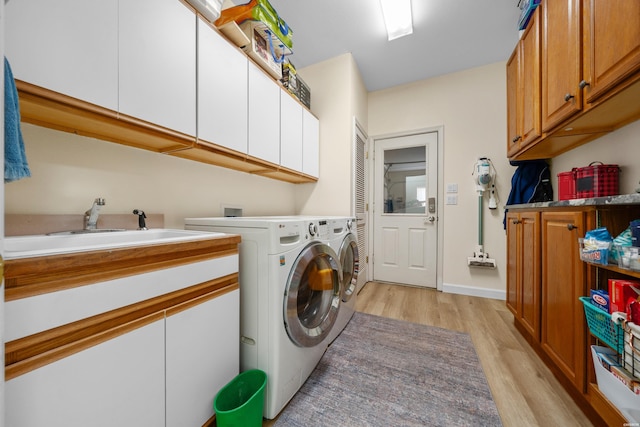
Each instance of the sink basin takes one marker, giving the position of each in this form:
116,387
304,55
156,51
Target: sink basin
43,245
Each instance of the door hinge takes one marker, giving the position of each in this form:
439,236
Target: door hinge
366,207
366,259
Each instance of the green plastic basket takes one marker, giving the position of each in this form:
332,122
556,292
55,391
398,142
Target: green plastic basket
601,326
240,402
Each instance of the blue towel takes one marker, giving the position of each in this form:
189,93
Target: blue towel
15,159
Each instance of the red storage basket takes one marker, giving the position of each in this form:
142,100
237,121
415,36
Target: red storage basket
597,180
567,185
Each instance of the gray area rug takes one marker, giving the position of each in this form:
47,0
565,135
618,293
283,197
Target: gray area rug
385,372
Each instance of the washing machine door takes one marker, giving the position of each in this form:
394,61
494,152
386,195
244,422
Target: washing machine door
350,263
312,295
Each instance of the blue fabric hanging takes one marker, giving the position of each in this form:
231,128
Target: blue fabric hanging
15,159
526,183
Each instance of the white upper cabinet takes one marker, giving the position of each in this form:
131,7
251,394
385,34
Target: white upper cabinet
310,144
222,91
290,132
157,61
264,116
67,46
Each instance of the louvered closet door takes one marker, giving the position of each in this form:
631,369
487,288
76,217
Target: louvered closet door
361,208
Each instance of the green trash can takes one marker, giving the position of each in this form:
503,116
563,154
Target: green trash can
240,402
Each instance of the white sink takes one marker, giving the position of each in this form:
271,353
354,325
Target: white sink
43,245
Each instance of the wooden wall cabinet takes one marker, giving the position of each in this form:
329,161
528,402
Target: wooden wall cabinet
523,90
590,74
523,270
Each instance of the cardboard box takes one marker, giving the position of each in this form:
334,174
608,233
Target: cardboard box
259,49
600,299
621,292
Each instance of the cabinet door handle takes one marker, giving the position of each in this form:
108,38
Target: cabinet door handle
571,227
516,138
583,84
568,97
515,221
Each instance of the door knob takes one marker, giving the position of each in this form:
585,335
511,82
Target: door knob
430,218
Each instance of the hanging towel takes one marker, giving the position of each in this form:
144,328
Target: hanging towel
15,160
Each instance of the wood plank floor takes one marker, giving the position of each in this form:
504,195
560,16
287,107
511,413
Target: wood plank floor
525,391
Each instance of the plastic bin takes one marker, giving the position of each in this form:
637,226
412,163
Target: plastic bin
241,401
601,325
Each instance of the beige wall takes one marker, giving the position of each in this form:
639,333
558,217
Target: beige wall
471,106
337,96
69,171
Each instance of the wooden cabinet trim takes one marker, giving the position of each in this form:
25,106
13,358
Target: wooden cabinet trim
26,354
27,277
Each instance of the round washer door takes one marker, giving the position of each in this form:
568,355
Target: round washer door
350,263
312,295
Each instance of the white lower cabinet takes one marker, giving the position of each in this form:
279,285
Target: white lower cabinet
119,382
202,356
290,132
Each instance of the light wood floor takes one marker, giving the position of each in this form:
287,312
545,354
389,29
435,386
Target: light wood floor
524,390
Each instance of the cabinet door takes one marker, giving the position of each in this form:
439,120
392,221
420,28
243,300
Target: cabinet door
563,333
513,257
119,382
523,270
264,116
290,132
611,44
310,144
530,72
529,272
203,345
561,61
222,91
514,100
157,50
67,46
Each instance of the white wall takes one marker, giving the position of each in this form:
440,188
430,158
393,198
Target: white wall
337,96
70,171
471,105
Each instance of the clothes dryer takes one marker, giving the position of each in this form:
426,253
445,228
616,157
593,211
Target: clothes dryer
289,298
344,241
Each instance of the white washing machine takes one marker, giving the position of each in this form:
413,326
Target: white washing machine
343,240
289,298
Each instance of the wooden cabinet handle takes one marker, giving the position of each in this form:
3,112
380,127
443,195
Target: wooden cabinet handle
568,97
571,227
583,84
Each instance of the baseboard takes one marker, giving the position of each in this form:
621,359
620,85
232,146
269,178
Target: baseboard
474,292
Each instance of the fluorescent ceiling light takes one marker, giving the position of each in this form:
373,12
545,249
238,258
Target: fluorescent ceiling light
397,17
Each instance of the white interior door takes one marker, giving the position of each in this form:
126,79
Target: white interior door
405,209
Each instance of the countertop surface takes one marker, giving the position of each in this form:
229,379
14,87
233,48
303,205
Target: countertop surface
619,200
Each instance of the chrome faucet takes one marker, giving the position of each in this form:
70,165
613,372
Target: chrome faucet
91,216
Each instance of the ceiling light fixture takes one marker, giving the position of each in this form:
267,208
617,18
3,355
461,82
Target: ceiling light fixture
397,17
